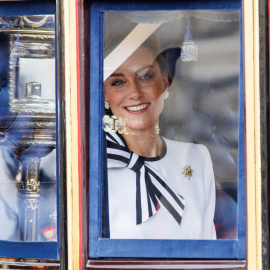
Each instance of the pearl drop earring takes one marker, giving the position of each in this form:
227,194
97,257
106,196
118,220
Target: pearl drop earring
107,106
157,129
166,94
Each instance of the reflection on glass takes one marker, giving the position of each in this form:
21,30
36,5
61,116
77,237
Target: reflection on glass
171,86
27,129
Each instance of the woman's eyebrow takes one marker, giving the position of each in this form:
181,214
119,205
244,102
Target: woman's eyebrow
143,68
117,74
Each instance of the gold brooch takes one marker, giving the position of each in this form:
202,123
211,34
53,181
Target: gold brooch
187,172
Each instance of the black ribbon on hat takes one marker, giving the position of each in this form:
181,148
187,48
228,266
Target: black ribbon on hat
152,190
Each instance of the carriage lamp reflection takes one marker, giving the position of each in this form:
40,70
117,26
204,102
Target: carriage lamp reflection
29,197
31,136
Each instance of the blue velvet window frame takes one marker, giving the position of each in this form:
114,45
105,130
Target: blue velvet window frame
186,249
33,250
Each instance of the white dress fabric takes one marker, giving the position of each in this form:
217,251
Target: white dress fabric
198,192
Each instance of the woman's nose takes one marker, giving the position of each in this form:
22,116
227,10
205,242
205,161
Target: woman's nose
135,91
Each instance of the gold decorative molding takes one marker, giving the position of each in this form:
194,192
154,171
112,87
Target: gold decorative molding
28,22
25,22
71,91
39,142
37,112
252,107
36,45
29,124
253,160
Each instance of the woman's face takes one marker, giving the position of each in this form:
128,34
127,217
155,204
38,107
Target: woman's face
135,90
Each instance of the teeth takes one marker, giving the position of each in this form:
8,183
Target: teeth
137,108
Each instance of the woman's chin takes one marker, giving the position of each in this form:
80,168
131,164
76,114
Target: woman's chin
141,127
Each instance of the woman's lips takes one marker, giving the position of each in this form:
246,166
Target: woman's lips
137,108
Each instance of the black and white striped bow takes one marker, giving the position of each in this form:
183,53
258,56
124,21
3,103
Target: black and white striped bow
151,188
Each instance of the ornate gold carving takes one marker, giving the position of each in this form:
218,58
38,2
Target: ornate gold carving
35,23
32,185
31,111
37,36
22,47
25,21
10,25
28,143
28,125
40,45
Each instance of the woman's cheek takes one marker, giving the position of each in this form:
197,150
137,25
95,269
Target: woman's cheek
115,98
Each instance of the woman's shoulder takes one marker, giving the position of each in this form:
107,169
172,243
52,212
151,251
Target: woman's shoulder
176,146
195,155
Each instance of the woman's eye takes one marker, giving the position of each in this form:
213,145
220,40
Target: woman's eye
117,83
147,77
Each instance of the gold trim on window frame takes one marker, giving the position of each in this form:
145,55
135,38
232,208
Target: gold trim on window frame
253,132
253,153
72,155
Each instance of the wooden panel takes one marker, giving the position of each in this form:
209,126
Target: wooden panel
84,39
166,264
6,263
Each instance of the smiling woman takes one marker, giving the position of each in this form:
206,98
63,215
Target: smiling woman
135,93
157,188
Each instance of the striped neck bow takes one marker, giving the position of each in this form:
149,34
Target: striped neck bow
152,190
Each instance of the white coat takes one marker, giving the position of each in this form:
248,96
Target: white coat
198,191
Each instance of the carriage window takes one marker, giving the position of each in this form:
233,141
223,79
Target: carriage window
28,200
171,86
173,112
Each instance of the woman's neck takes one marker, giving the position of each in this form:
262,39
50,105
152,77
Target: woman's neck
146,144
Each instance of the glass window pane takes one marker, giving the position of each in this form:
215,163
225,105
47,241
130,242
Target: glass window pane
28,200
171,90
